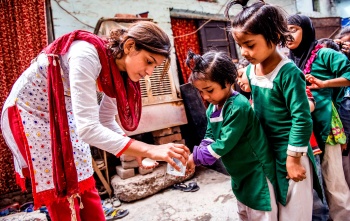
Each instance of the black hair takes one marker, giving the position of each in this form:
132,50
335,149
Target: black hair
242,63
344,32
147,36
329,43
261,18
213,66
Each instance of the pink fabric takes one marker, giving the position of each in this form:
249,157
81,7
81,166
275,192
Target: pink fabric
92,211
313,56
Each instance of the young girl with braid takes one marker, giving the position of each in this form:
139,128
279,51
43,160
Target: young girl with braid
235,135
280,102
51,116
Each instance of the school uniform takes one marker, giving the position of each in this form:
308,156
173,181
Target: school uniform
328,65
238,139
281,105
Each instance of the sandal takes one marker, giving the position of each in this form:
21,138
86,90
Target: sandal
27,207
115,202
44,210
192,187
117,214
108,211
179,186
4,212
13,208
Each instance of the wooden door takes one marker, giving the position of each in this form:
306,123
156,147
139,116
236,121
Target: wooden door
215,36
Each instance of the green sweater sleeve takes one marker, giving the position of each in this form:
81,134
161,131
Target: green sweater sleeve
336,62
293,83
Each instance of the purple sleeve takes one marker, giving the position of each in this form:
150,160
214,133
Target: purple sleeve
201,154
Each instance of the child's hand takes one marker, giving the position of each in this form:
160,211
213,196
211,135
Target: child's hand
345,47
295,170
315,82
190,165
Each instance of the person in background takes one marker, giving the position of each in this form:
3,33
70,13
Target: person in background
328,43
242,80
280,102
328,71
343,40
51,116
235,136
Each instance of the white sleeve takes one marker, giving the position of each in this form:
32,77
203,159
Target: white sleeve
108,111
84,68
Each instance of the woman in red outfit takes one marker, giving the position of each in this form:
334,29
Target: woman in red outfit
51,116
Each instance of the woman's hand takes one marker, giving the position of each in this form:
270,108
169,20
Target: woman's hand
315,82
166,152
295,170
346,48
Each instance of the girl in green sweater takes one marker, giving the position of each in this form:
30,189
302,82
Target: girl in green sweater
280,102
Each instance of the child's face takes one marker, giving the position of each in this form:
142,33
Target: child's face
253,47
297,33
242,80
346,38
212,92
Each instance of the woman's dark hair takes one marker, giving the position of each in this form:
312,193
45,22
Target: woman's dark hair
147,36
261,18
329,43
213,66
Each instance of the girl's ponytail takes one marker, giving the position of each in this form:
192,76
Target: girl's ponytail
234,2
195,62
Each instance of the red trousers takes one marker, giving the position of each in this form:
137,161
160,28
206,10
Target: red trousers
92,211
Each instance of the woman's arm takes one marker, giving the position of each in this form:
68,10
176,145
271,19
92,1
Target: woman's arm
84,68
108,112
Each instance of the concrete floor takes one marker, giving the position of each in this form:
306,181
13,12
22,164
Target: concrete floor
214,201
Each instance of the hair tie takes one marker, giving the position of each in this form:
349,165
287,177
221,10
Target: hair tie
123,31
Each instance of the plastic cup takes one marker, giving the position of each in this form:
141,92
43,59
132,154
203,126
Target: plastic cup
172,171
